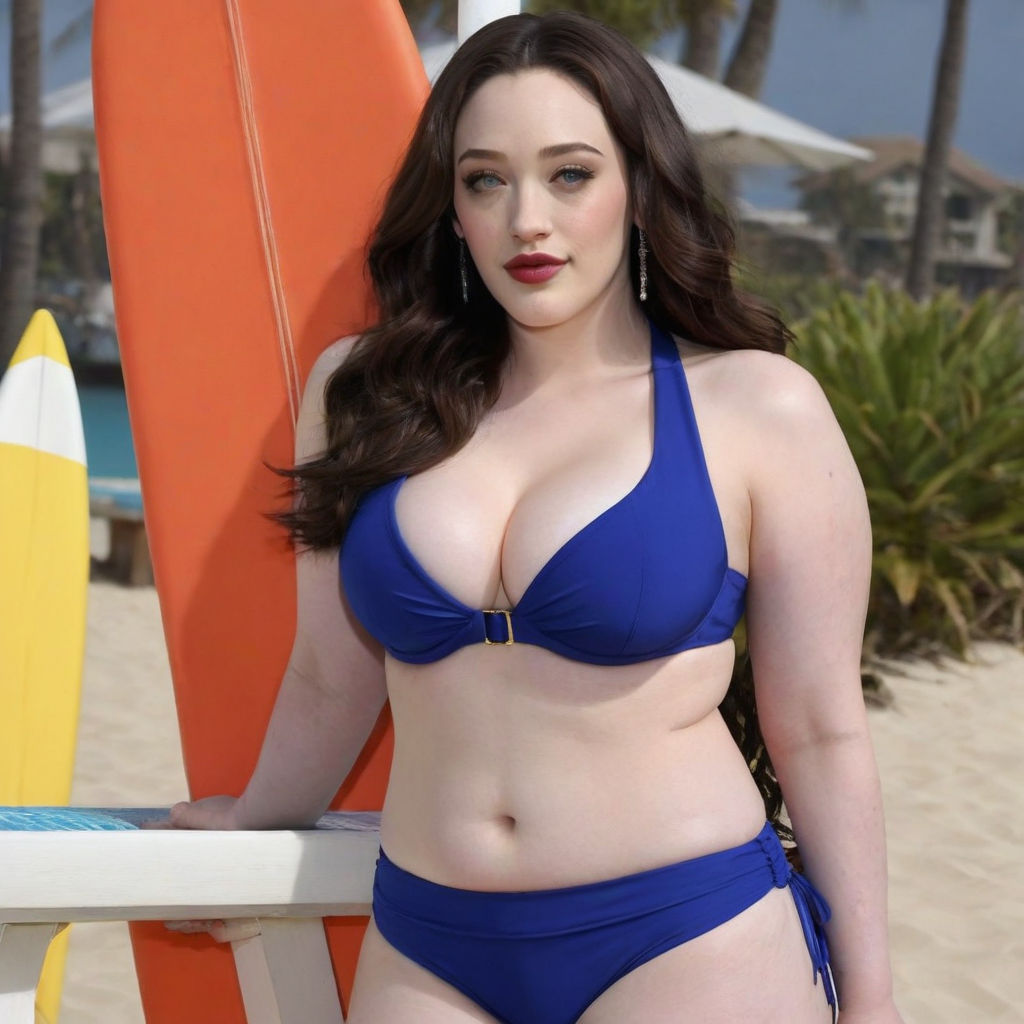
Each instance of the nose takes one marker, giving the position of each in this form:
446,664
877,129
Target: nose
529,217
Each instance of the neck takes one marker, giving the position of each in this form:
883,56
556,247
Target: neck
611,334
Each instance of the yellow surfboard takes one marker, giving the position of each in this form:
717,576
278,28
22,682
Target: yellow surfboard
44,575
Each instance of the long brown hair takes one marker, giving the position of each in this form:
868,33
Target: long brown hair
415,386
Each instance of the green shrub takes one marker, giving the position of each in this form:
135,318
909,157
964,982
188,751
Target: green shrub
930,397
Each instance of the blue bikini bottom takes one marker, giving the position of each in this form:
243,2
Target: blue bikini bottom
542,957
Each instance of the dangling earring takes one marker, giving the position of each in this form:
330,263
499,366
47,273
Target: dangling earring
642,253
462,270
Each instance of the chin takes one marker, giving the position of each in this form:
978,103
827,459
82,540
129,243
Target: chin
539,321
539,311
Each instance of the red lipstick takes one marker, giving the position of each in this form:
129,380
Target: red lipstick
534,267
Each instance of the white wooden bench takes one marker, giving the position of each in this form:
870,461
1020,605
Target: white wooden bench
271,889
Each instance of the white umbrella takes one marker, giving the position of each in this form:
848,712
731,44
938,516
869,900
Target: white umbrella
745,132
742,131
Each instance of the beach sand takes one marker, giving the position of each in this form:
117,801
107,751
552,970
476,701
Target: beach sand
128,756
948,750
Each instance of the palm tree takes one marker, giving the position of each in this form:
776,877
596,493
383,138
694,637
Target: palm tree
703,20
941,124
749,60
19,249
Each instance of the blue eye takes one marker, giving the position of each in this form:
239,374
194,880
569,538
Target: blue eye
482,181
574,175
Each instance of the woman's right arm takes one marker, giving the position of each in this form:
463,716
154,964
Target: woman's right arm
332,690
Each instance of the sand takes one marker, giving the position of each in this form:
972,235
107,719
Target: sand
949,750
128,756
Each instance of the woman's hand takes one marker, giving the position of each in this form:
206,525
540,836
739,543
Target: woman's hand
213,813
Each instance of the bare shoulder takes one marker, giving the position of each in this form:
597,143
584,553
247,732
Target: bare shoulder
310,431
327,362
766,390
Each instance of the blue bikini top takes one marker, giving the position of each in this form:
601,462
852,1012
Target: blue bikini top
647,578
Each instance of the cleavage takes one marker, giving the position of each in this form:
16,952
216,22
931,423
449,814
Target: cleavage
484,538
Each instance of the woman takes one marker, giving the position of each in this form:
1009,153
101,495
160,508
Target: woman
551,469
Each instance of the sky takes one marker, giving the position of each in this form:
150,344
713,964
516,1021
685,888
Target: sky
848,67
868,69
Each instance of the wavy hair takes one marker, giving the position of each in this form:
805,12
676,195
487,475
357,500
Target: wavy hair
416,384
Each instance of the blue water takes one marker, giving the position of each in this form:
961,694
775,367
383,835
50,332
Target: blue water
108,443
108,437
60,819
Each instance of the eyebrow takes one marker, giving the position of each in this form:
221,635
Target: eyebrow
548,151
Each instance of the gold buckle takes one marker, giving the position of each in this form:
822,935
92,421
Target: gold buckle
508,625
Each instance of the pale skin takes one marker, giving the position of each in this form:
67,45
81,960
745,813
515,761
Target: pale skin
518,769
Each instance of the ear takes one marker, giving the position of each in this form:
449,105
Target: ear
457,228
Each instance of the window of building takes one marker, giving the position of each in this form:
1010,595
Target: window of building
958,206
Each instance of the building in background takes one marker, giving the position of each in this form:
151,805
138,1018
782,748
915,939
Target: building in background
870,209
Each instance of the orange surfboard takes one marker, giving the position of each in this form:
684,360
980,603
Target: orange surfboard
245,147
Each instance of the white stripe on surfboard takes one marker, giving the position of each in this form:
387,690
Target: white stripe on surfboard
261,195
39,408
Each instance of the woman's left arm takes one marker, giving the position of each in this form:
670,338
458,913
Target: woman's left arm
810,565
